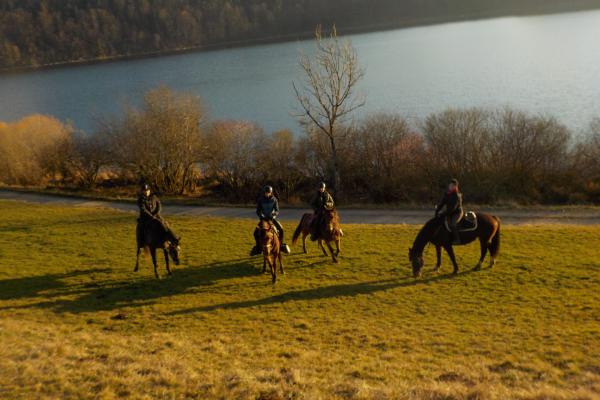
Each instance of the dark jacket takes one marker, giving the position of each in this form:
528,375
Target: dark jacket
453,203
267,207
149,206
321,201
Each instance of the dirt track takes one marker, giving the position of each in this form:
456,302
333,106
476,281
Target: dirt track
583,216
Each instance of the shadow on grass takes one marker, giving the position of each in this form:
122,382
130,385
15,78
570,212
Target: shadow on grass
105,295
56,293
34,286
326,292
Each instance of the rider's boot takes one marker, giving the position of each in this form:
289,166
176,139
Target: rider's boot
256,249
284,247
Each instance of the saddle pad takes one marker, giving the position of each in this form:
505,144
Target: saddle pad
466,224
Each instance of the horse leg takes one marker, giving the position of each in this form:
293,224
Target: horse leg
166,253
304,235
153,254
338,246
280,258
273,267
137,260
450,251
322,248
438,253
333,257
484,249
264,269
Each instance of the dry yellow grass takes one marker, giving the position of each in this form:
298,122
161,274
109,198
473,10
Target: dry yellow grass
76,322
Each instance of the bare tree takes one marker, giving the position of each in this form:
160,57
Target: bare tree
327,93
161,141
232,153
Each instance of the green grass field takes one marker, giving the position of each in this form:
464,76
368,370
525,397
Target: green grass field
76,322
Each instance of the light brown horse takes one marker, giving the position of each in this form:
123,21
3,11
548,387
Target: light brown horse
328,231
271,248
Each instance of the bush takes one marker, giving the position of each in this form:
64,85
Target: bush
161,142
32,150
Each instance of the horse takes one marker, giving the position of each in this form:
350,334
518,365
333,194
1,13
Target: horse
328,231
271,248
152,235
484,227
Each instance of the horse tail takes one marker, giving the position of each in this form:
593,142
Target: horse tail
298,230
495,245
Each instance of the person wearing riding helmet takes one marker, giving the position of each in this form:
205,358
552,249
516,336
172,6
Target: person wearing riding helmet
267,209
322,201
150,208
452,201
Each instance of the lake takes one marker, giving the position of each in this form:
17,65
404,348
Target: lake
544,64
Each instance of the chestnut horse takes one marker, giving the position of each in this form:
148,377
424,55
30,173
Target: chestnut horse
328,231
487,230
271,248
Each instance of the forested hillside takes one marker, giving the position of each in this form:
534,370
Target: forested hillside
40,32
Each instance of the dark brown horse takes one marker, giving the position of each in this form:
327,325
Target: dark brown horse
271,248
151,236
328,231
486,228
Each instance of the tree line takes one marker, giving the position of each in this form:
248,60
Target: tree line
42,32
499,156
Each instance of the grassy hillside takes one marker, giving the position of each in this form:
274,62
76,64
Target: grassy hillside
76,322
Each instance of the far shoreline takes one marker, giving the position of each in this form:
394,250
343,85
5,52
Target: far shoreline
299,36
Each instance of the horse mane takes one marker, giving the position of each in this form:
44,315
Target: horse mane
424,236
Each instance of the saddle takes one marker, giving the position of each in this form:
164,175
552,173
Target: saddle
467,223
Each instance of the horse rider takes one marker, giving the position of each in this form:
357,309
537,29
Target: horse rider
267,209
452,200
150,208
322,201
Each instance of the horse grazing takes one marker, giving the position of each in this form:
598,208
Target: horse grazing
271,248
329,230
480,226
151,236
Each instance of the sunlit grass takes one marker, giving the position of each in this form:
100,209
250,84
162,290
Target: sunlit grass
76,322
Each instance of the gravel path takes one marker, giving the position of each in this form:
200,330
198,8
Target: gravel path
583,216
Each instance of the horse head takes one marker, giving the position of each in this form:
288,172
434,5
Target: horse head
417,262
174,249
330,221
267,235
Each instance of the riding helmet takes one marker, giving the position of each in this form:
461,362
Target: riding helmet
268,189
322,185
454,181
